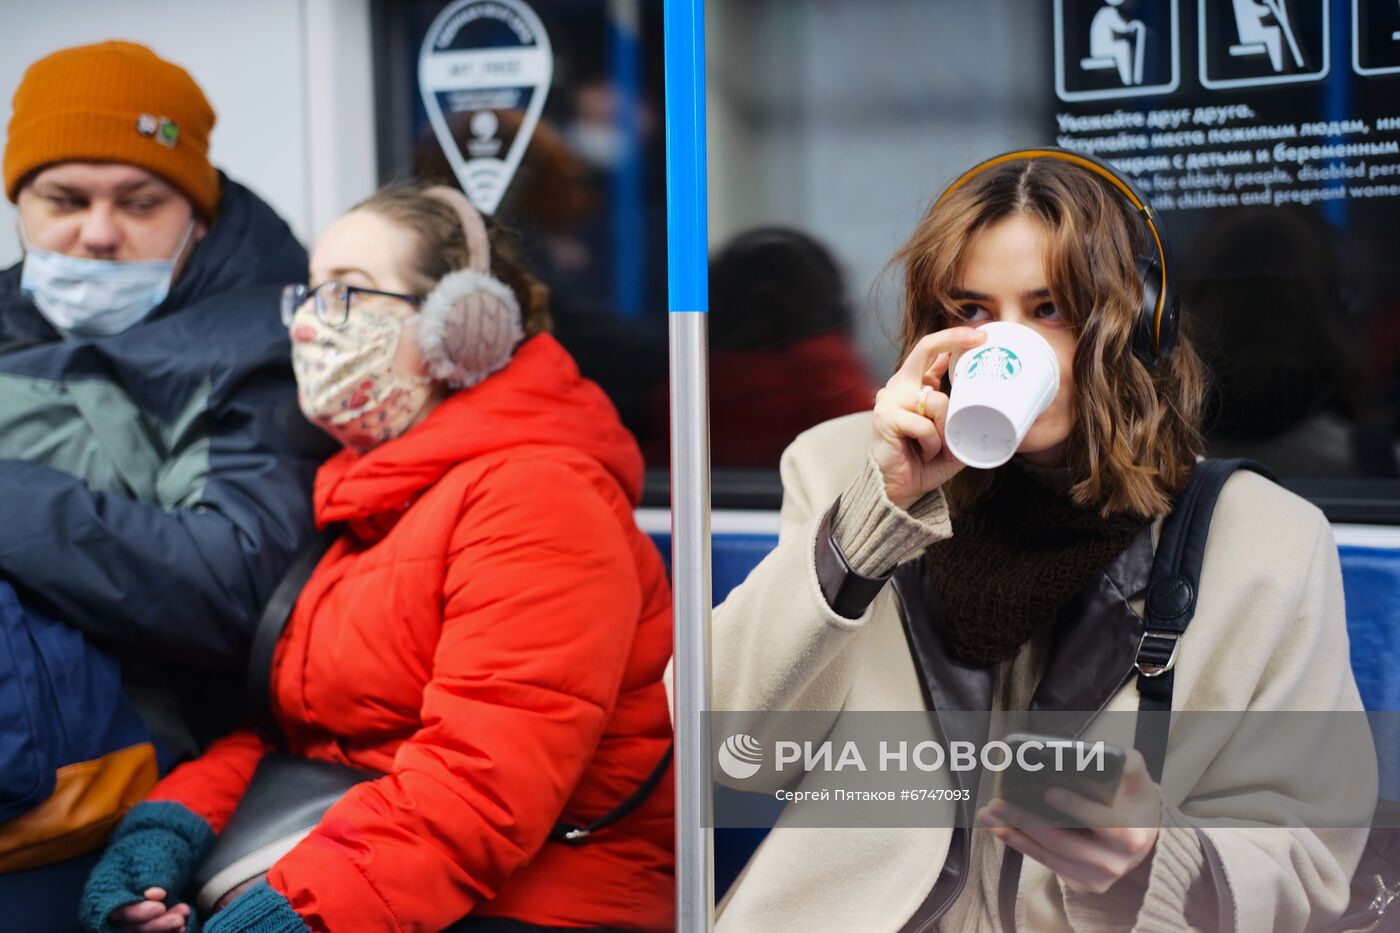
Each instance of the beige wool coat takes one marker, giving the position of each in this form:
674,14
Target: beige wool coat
1268,634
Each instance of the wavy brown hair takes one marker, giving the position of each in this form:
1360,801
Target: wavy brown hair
441,247
1136,431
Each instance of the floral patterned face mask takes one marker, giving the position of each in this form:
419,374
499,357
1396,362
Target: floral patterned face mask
346,381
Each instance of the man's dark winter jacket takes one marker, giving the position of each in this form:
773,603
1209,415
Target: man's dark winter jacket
155,484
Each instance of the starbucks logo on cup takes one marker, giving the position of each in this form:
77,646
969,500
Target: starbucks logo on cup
994,363
740,756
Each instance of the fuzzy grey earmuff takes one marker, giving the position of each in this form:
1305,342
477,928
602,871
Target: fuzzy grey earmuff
470,321
470,324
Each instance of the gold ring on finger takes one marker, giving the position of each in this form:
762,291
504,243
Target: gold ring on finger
923,397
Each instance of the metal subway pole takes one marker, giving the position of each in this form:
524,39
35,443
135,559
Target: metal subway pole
687,248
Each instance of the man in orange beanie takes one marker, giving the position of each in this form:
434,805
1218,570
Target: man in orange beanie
108,161
155,468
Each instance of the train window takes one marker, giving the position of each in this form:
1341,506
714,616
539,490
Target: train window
1270,149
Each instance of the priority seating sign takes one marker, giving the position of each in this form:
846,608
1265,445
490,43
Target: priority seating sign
1108,49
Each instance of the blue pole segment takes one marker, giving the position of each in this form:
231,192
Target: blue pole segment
624,43
686,245
687,242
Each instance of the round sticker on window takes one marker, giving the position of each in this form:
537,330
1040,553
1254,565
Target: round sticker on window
994,363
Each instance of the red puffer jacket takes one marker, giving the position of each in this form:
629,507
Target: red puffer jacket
491,633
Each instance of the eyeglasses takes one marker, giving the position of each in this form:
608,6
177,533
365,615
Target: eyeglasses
332,301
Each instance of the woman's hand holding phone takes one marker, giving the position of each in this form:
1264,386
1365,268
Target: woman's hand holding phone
1115,840
909,413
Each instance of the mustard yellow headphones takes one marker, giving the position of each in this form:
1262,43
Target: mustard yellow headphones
1154,334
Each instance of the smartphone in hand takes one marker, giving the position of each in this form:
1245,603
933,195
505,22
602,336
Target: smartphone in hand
1040,762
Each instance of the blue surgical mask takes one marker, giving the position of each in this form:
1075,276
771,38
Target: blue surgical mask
95,297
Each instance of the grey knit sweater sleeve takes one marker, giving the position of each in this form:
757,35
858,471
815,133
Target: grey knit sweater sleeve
875,534
1154,900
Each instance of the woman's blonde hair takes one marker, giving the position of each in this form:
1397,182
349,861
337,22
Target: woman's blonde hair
1136,431
441,248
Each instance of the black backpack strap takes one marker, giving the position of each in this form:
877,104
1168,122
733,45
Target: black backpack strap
1171,600
271,623
574,834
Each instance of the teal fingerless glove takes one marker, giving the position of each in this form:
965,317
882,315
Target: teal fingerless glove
258,910
157,845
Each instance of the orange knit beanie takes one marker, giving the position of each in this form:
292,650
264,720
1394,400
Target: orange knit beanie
113,102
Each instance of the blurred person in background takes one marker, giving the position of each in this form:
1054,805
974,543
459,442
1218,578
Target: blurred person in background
1291,386
782,355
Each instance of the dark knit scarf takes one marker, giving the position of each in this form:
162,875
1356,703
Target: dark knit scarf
1014,560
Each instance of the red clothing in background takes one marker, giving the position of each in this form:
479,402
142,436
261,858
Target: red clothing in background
761,399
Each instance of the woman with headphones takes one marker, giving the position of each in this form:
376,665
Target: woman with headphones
483,641
904,581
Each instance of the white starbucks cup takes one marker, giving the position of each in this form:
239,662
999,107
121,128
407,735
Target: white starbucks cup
999,389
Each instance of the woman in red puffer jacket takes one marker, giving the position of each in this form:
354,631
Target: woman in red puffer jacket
489,631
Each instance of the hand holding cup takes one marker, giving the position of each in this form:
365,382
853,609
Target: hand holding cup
910,410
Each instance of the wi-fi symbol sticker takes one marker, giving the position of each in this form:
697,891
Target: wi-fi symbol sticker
484,183
740,756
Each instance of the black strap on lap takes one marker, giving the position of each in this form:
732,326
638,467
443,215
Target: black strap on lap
574,834
271,624
1171,600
